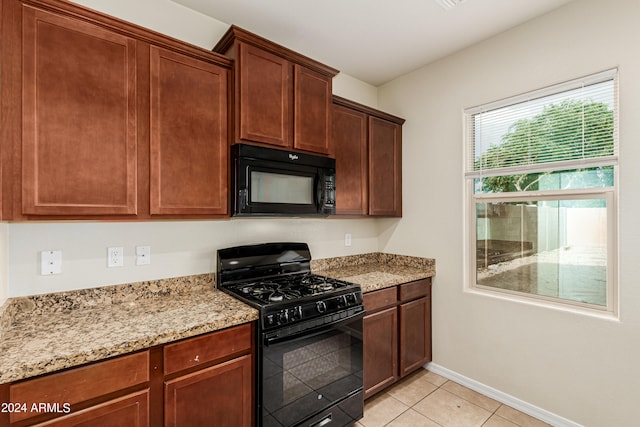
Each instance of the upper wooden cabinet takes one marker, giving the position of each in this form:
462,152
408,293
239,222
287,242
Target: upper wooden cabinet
385,167
106,120
188,135
263,97
78,117
351,146
368,147
282,98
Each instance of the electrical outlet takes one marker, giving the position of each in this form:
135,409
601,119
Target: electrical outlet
347,239
115,257
143,255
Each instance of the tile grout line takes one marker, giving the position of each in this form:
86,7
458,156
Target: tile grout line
411,407
441,387
438,387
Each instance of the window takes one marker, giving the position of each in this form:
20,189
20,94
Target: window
541,177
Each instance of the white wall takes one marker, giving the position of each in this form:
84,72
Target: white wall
166,17
356,90
177,248
582,368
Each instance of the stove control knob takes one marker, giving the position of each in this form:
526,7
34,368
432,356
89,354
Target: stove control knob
343,301
321,306
296,313
270,320
284,316
352,298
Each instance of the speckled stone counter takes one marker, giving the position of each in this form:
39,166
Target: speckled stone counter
45,333
376,270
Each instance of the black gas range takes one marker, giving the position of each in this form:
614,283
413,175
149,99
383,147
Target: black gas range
309,343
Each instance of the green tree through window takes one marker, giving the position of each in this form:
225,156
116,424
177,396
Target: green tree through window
569,130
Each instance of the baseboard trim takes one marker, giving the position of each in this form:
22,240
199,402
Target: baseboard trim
520,405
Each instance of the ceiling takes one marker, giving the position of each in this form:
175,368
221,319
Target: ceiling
374,40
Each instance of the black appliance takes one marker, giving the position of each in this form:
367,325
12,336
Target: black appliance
269,181
309,342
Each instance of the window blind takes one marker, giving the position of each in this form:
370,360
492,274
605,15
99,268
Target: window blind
567,126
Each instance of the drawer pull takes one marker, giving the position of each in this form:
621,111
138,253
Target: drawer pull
197,358
323,422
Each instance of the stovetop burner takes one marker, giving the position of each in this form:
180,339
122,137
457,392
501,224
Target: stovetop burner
289,288
269,291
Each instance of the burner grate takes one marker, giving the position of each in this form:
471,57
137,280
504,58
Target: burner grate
271,291
289,288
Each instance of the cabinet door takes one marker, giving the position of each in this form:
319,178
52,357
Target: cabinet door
264,97
188,135
218,396
380,350
128,411
312,111
415,334
349,141
385,168
79,118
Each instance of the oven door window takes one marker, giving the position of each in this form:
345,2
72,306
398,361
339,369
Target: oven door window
269,187
305,375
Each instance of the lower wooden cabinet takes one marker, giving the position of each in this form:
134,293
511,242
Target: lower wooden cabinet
397,333
66,392
381,350
206,381
415,334
216,396
128,411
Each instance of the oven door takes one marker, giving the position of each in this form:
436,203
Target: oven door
313,378
266,187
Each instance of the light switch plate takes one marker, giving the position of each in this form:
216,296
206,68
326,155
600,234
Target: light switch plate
50,262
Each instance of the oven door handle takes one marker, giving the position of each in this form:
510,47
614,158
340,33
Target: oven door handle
312,332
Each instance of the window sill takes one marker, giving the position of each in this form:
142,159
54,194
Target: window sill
542,303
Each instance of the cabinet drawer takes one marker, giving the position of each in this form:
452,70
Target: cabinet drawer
81,384
380,299
419,288
207,348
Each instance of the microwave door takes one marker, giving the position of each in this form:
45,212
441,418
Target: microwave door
277,191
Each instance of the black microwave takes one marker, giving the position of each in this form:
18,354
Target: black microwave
273,182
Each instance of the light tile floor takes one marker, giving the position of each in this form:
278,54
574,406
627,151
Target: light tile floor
425,399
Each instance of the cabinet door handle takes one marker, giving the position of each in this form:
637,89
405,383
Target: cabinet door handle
197,358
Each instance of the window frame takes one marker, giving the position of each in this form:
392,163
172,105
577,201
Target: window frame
610,194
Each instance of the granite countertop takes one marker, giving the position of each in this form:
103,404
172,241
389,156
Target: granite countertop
46,333
376,270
